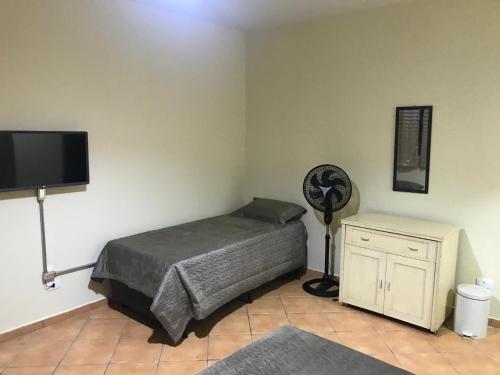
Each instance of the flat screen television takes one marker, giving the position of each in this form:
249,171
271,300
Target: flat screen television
36,159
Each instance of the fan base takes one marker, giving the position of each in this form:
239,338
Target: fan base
323,287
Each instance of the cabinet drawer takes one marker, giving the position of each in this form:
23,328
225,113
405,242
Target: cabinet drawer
411,247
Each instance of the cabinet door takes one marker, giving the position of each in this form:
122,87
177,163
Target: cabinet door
409,290
363,278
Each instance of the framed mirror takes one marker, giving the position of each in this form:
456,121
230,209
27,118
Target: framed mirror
412,149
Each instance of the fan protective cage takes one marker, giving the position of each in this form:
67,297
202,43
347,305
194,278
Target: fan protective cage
327,176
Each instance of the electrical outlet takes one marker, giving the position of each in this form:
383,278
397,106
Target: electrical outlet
485,282
53,285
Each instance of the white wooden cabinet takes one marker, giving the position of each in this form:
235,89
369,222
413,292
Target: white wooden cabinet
410,286
400,267
364,275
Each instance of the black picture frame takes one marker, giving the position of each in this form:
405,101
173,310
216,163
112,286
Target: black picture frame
405,186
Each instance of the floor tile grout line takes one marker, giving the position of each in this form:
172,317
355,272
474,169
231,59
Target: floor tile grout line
9,364
114,348
65,354
113,352
286,312
208,347
81,330
25,344
158,362
384,342
107,367
323,314
249,324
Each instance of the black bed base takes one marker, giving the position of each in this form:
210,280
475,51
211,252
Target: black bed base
131,299
139,303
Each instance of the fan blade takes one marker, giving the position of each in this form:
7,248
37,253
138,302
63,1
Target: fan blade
333,191
337,193
315,194
314,181
325,177
335,181
339,181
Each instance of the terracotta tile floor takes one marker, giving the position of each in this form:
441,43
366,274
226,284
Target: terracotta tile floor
109,341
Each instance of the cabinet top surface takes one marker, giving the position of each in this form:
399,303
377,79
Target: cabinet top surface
402,225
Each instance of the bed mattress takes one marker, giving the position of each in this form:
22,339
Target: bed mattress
192,269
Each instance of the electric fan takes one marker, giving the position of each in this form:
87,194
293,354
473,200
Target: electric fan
327,188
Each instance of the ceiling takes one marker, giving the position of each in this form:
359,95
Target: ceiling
249,15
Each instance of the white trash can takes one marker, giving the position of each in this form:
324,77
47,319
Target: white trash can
472,310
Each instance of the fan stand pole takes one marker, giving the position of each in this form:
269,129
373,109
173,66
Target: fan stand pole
323,289
327,253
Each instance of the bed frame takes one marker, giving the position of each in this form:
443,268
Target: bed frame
139,303
131,299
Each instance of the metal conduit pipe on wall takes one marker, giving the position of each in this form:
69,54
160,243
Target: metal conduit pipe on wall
49,276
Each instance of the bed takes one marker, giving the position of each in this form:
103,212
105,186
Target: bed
190,270
290,350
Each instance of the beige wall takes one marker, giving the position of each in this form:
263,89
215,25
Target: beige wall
326,92
163,100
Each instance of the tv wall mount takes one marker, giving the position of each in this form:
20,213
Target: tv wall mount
48,277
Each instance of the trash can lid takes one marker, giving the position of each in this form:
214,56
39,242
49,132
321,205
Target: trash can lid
474,292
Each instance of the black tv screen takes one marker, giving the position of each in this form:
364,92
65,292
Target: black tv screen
34,159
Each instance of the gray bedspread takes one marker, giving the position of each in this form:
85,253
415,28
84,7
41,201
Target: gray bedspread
192,269
291,351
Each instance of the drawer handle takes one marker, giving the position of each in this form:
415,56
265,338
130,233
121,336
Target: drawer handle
389,286
412,248
380,284
366,239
